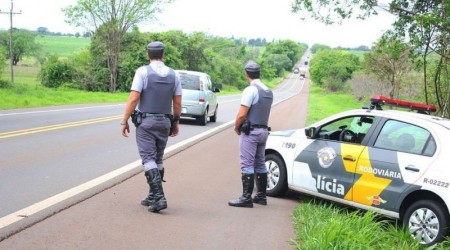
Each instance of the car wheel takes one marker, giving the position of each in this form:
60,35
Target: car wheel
276,175
427,221
214,117
203,119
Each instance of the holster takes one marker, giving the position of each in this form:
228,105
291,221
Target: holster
172,122
246,126
136,118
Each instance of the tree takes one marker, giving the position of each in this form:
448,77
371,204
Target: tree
424,24
24,44
289,48
316,47
389,60
332,68
278,62
111,20
2,62
42,30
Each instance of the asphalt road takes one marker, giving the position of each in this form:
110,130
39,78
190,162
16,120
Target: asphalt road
200,180
46,151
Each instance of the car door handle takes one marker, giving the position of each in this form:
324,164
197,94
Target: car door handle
412,168
349,158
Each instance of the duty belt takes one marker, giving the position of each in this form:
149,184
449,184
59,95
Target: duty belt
154,115
260,126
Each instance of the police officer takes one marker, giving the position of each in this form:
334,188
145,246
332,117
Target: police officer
155,90
251,125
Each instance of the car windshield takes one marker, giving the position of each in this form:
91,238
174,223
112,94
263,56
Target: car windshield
190,81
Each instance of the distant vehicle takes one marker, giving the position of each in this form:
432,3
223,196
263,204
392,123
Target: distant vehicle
303,71
199,100
296,70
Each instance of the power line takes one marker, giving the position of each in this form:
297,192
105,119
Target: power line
11,13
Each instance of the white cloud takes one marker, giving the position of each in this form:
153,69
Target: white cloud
239,18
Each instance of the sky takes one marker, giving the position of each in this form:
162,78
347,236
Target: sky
269,19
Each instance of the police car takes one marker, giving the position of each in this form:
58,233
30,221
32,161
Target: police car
394,162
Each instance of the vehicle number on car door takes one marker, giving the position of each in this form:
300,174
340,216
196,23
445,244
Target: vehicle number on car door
288,145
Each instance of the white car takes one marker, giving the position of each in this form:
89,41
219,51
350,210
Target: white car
394,162
199,98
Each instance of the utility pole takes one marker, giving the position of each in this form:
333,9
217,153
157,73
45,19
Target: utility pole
11,13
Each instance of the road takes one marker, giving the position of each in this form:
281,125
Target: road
200,181
47,151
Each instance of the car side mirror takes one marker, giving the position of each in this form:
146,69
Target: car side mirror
310,132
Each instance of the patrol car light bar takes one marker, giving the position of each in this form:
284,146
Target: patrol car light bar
377,101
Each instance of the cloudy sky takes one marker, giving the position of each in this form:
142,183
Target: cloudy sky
268,19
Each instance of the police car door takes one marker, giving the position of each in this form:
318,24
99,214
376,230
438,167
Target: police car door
399,154
327,165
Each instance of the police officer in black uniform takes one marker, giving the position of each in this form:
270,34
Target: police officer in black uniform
155,90
251,125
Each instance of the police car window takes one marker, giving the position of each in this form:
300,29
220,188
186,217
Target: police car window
190,81
349,129
430,147
405,137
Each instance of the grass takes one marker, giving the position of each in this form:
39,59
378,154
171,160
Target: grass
62,45
24,73
27,96
322,225
322,103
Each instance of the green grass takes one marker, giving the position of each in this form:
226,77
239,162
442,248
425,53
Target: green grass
28,68
322,225
62,45
359,53
322,103
25,73
27,96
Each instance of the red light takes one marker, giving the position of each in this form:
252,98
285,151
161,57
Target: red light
201,100
378,100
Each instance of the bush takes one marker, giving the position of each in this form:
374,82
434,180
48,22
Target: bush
55,72
4,84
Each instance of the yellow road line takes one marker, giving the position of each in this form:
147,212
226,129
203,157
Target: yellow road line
57,126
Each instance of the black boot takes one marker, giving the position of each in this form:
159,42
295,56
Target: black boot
261,186
149,200
160,201
246,199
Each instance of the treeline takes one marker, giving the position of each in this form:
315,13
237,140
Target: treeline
44,31
223,59
391,68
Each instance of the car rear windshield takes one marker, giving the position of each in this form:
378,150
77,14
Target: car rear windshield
190,81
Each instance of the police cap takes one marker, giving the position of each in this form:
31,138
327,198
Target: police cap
154,46
251,66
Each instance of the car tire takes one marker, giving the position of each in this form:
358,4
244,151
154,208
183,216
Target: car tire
427,221
214,117
276,175
203,119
